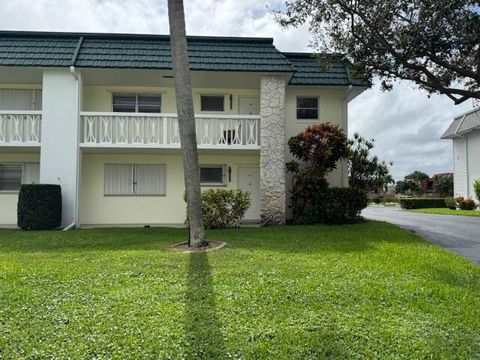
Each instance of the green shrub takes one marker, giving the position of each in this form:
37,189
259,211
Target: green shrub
39,207
476,188
377,200
224,208
466,204
331,206
451,203
422,203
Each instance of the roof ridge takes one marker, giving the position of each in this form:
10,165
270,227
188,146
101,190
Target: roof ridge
131,36
47,49
309,54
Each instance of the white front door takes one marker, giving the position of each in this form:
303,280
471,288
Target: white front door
249,180
249,105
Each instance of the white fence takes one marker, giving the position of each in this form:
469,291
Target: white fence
161,130
20,128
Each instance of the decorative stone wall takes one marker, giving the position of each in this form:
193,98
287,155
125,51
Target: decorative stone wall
272,153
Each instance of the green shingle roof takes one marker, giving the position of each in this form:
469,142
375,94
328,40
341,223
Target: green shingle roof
36,51
138,51
130,51
309,70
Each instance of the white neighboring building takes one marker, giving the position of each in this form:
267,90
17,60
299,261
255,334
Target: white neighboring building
465,132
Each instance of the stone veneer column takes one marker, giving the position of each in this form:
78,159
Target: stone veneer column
272,153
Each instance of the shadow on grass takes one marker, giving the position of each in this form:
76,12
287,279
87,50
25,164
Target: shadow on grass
204,338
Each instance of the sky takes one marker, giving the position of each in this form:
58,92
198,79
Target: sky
404,122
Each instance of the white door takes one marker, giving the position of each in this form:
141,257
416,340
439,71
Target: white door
249,180
249,105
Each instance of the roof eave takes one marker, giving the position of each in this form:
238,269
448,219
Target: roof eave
268,40
459,134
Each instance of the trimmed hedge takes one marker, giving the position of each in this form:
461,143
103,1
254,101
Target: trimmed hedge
223,208
332,206
451,203
39,207
422,203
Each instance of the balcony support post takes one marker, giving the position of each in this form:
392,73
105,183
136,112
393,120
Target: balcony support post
60,155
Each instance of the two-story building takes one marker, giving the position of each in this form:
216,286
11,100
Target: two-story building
95,113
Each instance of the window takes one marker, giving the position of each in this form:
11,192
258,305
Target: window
149,103
212,174
143,103
135,179
212,103
20,99
307,108
12,176
124,103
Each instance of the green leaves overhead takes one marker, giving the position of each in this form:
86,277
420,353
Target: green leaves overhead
434,43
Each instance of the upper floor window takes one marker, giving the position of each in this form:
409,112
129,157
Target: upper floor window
141,103
20,99
13,175
212,103
307,108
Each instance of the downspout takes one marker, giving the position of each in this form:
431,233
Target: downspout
69,227
74,72
344,172
74,58
76,77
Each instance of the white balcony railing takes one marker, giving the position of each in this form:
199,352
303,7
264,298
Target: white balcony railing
161,130
20,128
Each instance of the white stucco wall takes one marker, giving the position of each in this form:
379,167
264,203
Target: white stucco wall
330,100
60,135
97,209
331,109
99,98
9,199
63,95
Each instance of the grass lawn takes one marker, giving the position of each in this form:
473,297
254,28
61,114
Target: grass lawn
369,290
445,211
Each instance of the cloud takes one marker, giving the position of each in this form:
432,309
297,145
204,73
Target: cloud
407,126
405,123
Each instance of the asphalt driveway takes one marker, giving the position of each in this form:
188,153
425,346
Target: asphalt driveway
460,234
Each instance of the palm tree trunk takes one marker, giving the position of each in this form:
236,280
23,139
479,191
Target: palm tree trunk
186,121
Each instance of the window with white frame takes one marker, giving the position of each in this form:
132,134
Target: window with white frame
213,175
307,108
20,99
140,103
212,103
13,175
135,180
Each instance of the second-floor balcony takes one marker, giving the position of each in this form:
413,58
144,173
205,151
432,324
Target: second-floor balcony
144,130
20,128
136,130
